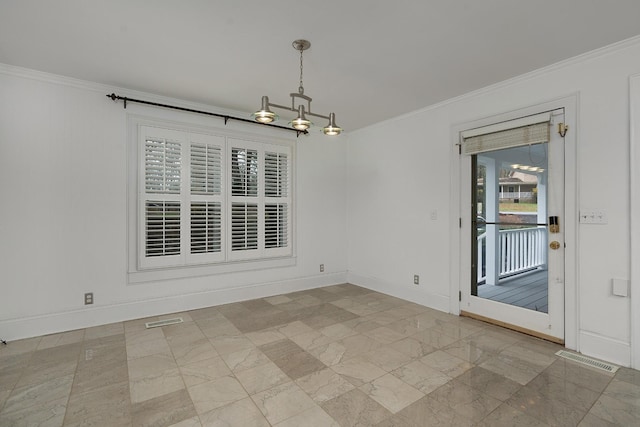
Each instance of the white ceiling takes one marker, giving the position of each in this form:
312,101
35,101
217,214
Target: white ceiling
369,59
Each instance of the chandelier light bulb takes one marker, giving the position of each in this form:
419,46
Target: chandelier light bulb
300,123
332,129
264,115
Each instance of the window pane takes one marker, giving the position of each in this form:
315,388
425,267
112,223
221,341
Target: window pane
162,166
244,226
276,178
244,172
205,227
206,169
275,223
162,228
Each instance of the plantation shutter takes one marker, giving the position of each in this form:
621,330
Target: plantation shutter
244,172
161,204
206,168
162,159
276,174
277,220
162,228
514,133
276,214
206,198
245,201
206,233
244,226
275,224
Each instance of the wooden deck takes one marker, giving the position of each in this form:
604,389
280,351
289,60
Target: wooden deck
528,290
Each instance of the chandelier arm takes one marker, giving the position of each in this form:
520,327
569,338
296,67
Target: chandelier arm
299,95
302,96
283,107
309,113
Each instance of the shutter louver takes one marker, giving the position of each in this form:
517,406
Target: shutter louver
276,225
206,227
244,226
162,166
244,172
206,169
162,228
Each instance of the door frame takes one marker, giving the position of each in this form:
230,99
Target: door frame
634,147
459,242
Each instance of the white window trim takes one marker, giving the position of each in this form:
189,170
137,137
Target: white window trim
271,258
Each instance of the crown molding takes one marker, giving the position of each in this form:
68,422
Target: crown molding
57,79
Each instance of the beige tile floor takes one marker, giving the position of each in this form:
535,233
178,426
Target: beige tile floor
335,356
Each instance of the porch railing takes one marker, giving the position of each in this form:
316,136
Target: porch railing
519,250
516,194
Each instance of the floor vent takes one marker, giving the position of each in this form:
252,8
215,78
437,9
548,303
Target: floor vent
594,363
165,322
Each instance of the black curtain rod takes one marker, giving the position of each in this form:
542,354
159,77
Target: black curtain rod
226,118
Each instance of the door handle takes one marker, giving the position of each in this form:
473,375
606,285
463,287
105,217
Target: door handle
555,245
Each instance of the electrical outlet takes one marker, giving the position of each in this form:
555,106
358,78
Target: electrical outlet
321,268
88,298
416,279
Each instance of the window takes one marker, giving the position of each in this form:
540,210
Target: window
210,199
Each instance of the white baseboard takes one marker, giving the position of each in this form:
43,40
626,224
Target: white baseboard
605,348
32,326
413,294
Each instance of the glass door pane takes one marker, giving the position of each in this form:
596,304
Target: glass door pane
509,204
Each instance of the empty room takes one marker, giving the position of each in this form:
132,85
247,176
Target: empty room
413,213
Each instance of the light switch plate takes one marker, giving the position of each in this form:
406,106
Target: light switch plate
593,217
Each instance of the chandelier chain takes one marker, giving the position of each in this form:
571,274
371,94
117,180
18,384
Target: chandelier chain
301,88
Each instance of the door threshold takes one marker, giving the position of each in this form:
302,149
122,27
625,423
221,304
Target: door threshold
512,327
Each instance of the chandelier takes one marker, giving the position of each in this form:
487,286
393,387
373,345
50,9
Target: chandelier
300,123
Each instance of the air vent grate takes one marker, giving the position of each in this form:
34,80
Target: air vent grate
594,363
165,322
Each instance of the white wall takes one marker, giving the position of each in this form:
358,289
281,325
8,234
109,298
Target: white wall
63,221
399,174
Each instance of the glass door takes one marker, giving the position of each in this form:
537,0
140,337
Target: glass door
516,198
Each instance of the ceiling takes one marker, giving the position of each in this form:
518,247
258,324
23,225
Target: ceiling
369,60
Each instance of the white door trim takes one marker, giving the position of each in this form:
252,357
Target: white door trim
634,158
570,104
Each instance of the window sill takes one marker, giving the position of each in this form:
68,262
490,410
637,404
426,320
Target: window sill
143,276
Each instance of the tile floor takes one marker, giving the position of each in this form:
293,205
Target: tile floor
335,356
